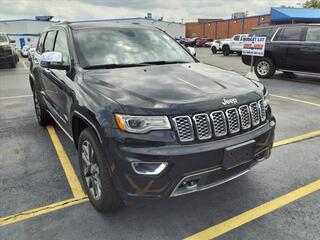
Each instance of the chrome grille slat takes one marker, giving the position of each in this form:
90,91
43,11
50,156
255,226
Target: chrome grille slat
203,126
262,109
255,116
184,128
233,120
245,117
219,123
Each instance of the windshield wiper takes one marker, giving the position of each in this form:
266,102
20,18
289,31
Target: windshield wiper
109,66
163,62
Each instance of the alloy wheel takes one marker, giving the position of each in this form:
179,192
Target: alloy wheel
91,170
263,68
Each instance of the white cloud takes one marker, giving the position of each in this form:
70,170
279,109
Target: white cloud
173,10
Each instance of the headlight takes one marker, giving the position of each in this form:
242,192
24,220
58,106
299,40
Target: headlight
266,99
142,124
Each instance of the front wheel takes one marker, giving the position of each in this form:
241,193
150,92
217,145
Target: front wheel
95,173
264,68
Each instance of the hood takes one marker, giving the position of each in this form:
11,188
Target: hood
171,89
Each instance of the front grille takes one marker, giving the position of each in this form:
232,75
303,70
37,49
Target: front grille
233,120
220,123
203,126
184,128
255,116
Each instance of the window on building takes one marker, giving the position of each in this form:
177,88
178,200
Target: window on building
48,44
61,46
313,34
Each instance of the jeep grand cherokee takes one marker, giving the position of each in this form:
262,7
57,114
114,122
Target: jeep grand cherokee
148,120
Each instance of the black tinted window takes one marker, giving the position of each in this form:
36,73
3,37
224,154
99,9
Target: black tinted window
236,38
40,43
48,44
290,34
61,45
313,34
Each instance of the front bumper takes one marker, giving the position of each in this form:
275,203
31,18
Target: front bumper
201,161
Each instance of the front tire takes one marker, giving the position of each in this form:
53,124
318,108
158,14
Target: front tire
214,50
226,50
264,68
95,173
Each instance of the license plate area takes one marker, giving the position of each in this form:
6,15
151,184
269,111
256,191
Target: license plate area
237,155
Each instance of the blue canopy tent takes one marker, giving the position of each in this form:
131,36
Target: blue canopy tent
295,15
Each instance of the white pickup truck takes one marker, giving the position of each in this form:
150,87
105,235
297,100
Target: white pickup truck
233,45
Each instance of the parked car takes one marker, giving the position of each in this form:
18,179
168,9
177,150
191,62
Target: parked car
190,42
149,121
31,53
289,48
200,42
24,51
8,54
233,45
215,46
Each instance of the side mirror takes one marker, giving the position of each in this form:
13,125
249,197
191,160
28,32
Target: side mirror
53,60
192,51
12,41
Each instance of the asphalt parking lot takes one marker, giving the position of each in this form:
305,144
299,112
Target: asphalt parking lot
41,196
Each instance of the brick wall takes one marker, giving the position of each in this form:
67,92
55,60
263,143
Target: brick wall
225,28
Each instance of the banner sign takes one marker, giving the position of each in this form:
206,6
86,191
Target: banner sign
254,46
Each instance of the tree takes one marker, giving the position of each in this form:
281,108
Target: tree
312,4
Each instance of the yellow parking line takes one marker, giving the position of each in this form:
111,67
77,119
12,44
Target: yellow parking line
66,164
42,210
14,97
297,138
256,212
296,100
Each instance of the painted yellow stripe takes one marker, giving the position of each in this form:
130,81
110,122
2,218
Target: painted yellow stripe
256,212
40,211
297,138
66,164
296,100
15,97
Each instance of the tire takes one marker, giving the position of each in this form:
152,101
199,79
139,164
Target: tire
13,64
226,50
214,50
239,53
264,68
95,173
43,117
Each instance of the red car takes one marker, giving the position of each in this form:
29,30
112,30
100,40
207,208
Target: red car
201,41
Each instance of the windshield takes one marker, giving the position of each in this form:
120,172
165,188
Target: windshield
125,46
3,38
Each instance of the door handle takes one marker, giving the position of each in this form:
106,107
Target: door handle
276,46
47,70
305,48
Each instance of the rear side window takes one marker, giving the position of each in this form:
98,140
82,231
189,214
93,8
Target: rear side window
313,34
61,46
49,42
40,43
290,34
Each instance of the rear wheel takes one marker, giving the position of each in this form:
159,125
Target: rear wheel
214,50
95,174
264,68
42,115
226,50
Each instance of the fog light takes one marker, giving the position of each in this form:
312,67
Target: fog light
149,168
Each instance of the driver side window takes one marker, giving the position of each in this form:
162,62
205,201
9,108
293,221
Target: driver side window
61,46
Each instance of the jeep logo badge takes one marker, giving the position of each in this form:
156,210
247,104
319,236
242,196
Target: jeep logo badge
229,101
